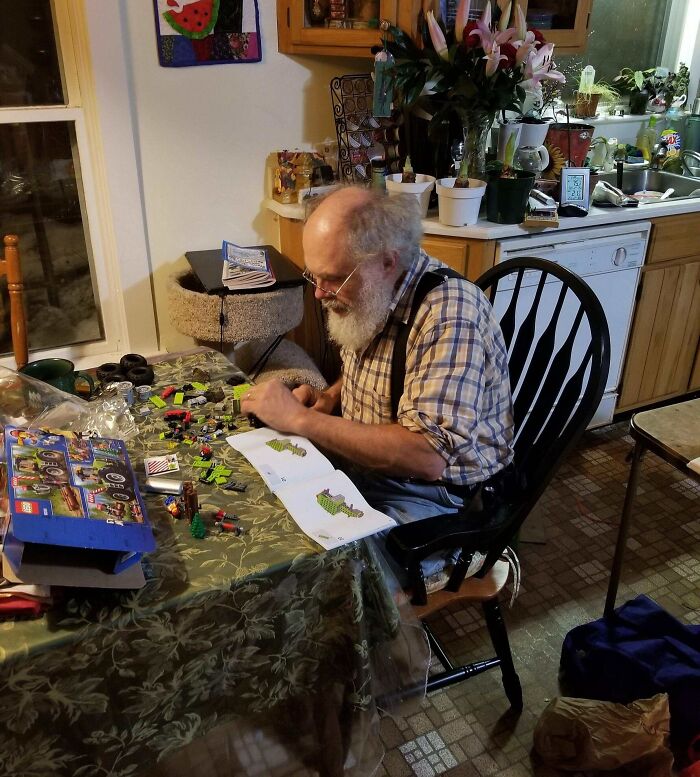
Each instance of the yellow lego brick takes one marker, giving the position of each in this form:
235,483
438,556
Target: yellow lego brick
157,401
239,391
178,398
199,386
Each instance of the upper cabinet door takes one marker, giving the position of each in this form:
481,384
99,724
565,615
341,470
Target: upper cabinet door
562,22
346,28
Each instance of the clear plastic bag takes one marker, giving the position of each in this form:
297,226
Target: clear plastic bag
25,401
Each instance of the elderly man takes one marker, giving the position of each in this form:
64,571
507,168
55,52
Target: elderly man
453,427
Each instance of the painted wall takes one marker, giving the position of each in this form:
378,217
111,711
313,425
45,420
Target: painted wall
201,139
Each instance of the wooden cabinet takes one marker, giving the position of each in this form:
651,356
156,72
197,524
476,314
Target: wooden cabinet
663,359
297,35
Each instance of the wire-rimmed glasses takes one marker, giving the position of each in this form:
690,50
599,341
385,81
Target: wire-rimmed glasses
308,276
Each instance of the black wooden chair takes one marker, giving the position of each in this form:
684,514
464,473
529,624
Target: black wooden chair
558,359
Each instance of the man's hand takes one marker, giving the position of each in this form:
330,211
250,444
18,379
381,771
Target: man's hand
273,403
311,397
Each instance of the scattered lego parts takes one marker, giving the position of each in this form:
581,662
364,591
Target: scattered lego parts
234,485
173,506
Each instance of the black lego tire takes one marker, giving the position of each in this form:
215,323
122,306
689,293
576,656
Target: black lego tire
110,372
131,360
141,376
50,456
121,494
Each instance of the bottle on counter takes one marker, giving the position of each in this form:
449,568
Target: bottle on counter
671,132
378,180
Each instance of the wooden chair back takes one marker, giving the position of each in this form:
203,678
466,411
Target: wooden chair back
10,267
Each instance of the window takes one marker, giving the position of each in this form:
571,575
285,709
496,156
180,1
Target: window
47,190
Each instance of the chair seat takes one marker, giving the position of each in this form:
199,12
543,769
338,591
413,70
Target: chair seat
473,589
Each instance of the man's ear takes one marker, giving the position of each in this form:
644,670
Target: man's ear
390,261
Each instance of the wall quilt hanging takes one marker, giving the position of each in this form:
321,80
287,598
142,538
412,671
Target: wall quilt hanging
207,32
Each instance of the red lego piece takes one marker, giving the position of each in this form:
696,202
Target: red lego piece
166,392
206,452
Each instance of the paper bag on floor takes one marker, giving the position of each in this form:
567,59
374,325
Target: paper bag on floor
579,734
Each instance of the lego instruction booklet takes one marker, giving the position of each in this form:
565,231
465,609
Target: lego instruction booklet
323,501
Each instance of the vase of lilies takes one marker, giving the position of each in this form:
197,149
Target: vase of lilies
471,71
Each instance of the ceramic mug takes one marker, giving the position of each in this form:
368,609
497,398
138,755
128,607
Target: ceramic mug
59,373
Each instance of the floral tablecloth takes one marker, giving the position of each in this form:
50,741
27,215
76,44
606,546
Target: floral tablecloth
246,635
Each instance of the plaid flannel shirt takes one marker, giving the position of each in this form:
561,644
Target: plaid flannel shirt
456,390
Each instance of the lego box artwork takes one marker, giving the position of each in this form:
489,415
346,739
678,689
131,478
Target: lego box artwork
76,493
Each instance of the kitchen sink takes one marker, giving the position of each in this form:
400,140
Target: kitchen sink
653,180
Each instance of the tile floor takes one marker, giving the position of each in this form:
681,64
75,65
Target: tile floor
467,730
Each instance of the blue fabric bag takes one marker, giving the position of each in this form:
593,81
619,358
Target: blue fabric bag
639,652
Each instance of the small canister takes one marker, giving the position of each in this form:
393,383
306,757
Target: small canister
125,389
143,392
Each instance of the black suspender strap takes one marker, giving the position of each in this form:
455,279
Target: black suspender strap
429,280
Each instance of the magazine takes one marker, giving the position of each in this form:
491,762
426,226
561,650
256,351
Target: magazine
245,268
323,501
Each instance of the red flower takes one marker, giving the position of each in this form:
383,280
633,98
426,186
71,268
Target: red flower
470,41
539,37
509,50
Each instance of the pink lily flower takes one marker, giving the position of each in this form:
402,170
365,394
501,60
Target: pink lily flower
539,67
483,30
461,18
436,36
493,59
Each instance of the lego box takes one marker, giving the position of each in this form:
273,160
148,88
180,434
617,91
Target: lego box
76,493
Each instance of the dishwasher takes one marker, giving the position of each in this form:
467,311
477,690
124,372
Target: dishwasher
609,260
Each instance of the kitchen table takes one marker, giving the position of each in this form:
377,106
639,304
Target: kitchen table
258,654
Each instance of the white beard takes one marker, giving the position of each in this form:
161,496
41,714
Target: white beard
359,324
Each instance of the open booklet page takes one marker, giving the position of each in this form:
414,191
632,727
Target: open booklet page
323,501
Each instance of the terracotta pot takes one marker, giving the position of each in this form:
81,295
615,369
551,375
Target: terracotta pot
586,105
574,136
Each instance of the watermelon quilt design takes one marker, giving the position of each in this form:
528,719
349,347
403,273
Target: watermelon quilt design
207,32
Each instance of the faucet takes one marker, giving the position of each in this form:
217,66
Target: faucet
689,169
658,154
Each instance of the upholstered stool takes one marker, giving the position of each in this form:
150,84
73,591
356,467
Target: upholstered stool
253,320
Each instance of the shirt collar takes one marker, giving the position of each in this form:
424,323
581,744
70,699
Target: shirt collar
400,307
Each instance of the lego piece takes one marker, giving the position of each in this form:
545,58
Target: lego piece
222,515
173,506
166,392
220,480
201,463
239,391
157,401
189,496
234,485
197,528
225,525
198,386
206,453
177,399
214,394
145,410
206,476
200,400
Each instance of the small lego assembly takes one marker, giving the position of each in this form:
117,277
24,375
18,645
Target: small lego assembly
228,526
166,392
173,506
206,452
222,515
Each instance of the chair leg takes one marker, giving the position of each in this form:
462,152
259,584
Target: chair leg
499,638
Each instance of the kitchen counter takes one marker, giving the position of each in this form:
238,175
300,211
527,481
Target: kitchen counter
487,230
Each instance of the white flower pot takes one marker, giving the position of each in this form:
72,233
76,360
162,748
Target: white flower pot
533,134
459,207
420,189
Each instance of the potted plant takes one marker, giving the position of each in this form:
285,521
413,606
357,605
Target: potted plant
590,93
534,119
470,72
655,87
639,85
507,193
407,181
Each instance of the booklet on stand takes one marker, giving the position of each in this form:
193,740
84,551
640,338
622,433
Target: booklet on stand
245,268
323,501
